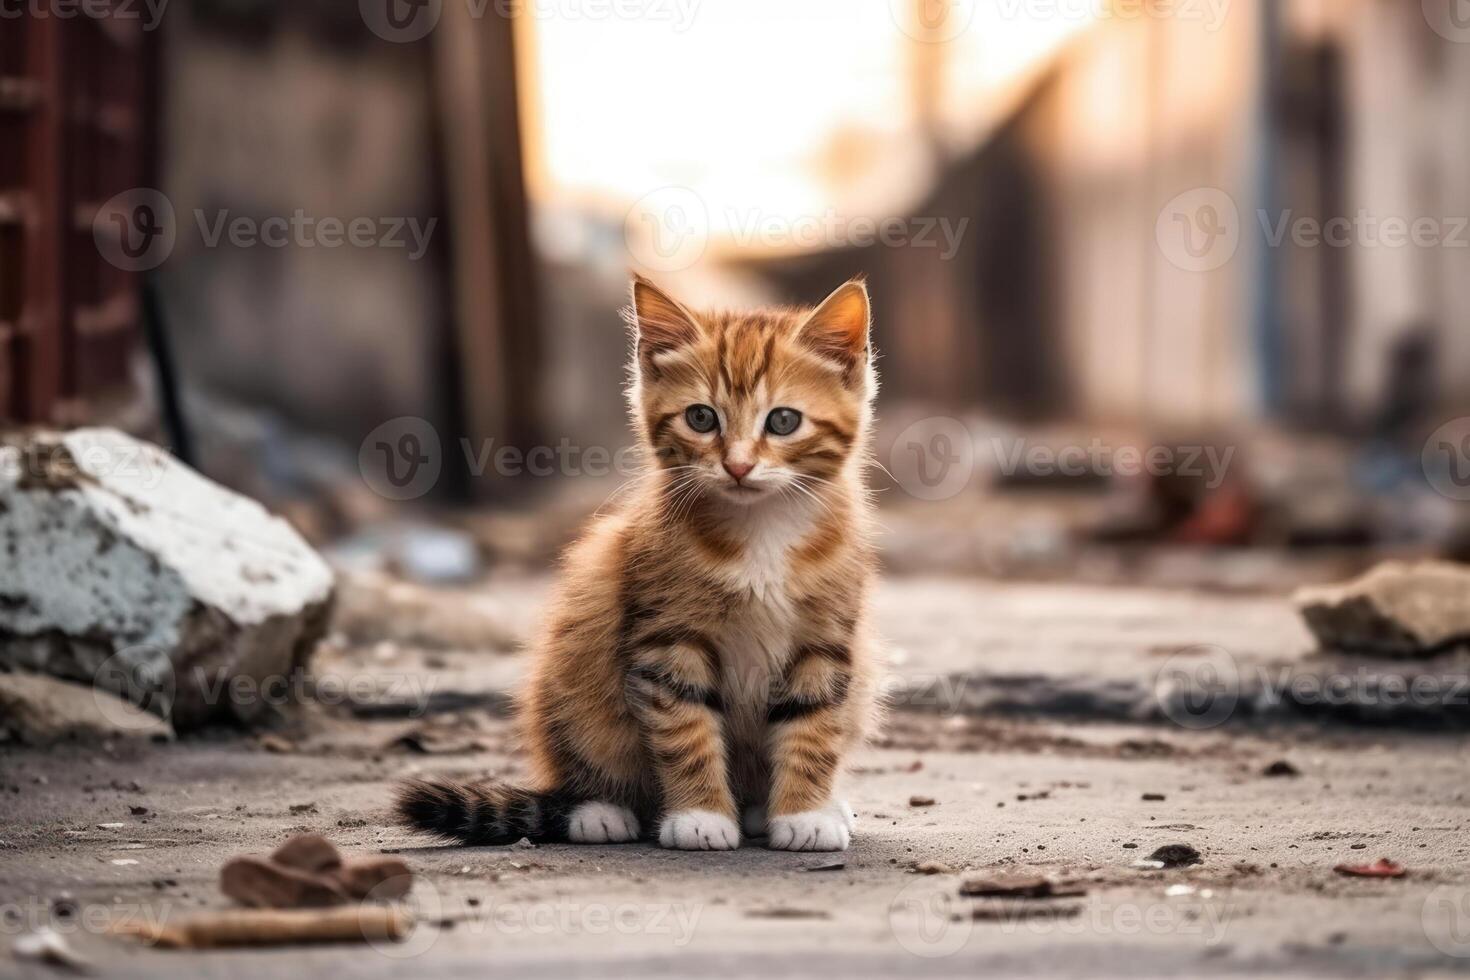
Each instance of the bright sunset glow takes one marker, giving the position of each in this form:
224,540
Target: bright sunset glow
789,106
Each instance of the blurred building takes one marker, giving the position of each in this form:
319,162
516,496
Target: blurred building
1153,236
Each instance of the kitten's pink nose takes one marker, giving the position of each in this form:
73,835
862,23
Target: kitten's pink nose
738,470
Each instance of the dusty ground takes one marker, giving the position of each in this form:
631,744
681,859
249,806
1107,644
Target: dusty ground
1063,798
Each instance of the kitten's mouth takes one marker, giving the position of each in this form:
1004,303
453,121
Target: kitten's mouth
741,491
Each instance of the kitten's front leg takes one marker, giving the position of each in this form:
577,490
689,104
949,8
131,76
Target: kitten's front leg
673,691
807,731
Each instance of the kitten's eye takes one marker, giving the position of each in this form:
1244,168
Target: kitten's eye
783,421
701,418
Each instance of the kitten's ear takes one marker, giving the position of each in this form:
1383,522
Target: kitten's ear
838,329
659,321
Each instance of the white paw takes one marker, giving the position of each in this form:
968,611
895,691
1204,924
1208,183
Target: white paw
699,830
602,823
827,829
753,821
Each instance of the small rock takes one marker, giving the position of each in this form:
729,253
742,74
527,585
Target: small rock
275,744
1382,868
41,711
1154,797
1281,768
933,868
921,801
1176,856
303,808
1395,610
828,866
138,811
46,945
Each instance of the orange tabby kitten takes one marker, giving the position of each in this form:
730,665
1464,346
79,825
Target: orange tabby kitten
707,661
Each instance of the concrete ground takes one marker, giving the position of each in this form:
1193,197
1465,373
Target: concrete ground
1080,801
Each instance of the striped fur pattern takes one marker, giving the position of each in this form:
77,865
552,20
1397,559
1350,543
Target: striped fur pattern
707,659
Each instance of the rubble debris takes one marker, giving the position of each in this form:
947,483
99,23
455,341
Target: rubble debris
130,572
274,927
1281,768
1382,868
1396,610
431,741
40,711
1172,856
786,912
921,801
496,704
275,744
1028,911
308,872
45,945
1020,886
259,883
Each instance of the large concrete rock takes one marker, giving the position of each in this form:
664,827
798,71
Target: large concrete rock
1395,610
121,567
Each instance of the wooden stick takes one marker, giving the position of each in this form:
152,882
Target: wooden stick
276,927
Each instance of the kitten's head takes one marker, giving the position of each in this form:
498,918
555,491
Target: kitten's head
753,406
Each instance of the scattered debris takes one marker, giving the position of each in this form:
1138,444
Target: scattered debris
275,744
1382,868
783,912
137,575
1395,610
933,868
1028,911
45,945
1028,886
430,741
1281,768
921,801
1171,856
308,872
274,927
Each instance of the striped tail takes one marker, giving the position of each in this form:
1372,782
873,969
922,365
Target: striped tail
483,813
